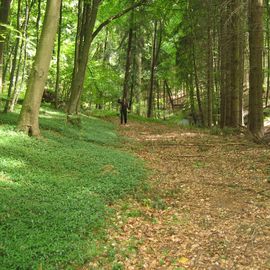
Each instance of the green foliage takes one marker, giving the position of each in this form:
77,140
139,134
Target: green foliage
54,191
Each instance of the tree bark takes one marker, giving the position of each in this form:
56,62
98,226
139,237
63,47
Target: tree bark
255,120
209,72
28,120
85,40
235,65
268,51
14,60
128,58
4,12
223,57
58,58
153,66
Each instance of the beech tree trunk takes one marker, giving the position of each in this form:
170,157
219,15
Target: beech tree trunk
235,65
223,57
128,58
84,43
4,12
255,120
14,60
209,74
28,120
153,66
58,58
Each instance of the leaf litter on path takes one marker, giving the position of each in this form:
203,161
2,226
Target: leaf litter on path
208,206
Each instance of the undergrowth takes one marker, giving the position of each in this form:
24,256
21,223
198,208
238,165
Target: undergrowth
55,191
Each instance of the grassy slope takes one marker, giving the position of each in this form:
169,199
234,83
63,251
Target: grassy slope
55,191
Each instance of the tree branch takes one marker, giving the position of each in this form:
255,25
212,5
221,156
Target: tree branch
116,16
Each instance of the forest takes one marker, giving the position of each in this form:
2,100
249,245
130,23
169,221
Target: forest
185,184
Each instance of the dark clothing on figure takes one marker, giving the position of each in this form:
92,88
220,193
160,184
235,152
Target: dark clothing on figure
123,111
123,116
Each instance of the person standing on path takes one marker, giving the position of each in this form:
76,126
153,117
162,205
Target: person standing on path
123,110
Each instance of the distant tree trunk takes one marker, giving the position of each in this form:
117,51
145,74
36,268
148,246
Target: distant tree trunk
209,74
14,60
23,55
24,29
255,120
128,58
191,98
268,51
223,60
153,65
85,40
229,58
28,120
138,60
235,67
169,92
4,12
58,58
198,95
242,45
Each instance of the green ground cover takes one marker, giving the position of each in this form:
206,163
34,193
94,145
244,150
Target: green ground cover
55,191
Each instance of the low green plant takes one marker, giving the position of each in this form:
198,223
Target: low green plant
55,191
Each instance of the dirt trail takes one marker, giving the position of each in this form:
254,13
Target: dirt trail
208,205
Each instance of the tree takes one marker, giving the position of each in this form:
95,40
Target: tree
4,12
28,120
255,120
85,36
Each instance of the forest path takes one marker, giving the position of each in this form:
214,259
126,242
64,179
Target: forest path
208,206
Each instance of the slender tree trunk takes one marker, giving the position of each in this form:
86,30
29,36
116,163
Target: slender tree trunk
28,120
4,12
223,60
169,92
128,58
255,120
38,20
229,58
18,90
14,60
153,65
209,75
138,59
198,95
235,67
242,45
82,58
268,51
58,58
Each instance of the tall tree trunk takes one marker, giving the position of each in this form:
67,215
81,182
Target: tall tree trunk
255,120
85,41
28,120
128,58
14,60
209,73
242,45
58,58
229,58
4,12
198,95
38,20
138,60
268,51
23,55
235,67
153,65
169,92
223,59
191,99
